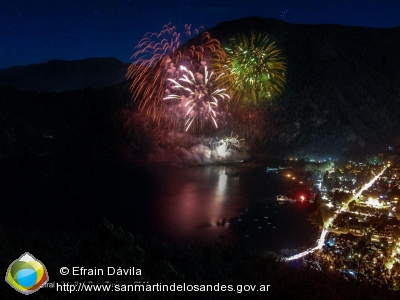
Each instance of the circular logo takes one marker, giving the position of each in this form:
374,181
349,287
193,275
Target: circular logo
26,274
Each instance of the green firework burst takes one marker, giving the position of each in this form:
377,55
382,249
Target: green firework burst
254,69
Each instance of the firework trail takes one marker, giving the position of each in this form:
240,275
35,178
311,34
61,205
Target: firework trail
157,58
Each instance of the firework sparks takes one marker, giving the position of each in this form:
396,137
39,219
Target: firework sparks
224,146
197,95
254,68
156,58
233,142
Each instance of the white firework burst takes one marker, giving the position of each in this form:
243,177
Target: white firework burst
198,97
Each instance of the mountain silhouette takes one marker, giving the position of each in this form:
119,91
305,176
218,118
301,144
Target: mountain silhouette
62,75
342,91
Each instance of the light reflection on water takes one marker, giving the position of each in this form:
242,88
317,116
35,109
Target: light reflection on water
198,203
186,204
192,202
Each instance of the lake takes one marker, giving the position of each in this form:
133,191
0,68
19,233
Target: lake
230,204
227,204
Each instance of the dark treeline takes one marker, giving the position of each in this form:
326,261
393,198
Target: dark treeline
168,263
43,123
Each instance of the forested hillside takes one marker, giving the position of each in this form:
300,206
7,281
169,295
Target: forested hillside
341,97
343,86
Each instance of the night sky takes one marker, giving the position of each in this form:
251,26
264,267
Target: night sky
37,31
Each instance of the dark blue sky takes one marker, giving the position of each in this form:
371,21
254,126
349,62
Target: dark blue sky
35,31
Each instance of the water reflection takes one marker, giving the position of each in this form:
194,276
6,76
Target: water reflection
194,203
222,182
200,203
228,204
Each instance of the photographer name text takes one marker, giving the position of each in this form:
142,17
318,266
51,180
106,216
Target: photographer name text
109,271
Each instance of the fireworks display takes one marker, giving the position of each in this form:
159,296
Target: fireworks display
197,97
189,82
233,142
227,144
254,69
158,60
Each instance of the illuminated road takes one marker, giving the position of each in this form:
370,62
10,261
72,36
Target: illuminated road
321,241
